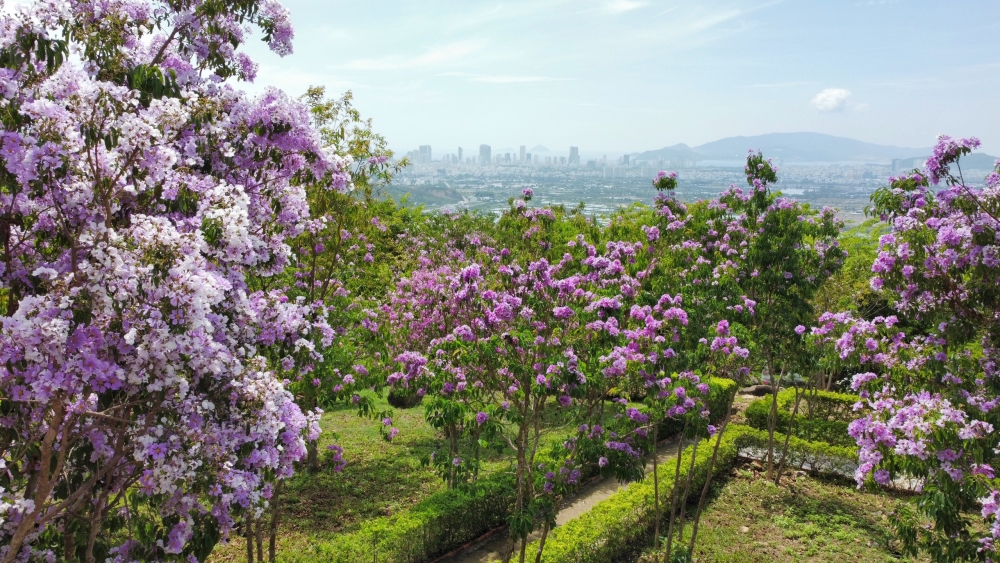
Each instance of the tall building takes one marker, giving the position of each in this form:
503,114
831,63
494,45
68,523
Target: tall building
625,160
526,159
459,154
485,158
425,153
574,155
521,160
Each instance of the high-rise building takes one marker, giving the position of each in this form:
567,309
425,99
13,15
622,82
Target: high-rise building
425,153
574,156
526,159
485,158
521,160
459,154
625,160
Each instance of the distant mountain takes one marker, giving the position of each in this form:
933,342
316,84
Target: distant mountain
978,161
668,153
804,147
538,148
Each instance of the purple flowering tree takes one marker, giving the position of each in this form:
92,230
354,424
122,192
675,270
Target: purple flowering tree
140,415
752,258
930,394
506,338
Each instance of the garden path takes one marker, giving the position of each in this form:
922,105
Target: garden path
491,548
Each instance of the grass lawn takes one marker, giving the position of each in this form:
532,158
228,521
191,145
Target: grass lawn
380,479
805,520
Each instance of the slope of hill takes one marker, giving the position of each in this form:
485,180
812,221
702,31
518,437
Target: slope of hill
668,153
805,147
978,161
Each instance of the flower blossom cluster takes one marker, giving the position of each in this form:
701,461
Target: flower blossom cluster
140,191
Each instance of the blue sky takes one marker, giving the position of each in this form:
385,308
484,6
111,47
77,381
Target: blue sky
625,75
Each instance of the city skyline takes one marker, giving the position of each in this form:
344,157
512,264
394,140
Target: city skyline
796,148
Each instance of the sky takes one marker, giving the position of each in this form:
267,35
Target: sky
631,75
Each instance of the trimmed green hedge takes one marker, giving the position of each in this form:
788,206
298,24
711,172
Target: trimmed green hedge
439,523
621,526
816,457
451,518
822,416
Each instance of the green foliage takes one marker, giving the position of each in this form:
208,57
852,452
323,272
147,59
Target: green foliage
850,289
441,522
450,518
813,456
822,415
812,519
620,527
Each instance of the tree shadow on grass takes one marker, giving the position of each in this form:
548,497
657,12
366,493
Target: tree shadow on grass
839,509
330,502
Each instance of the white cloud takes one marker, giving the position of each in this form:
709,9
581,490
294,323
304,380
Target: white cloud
832,99
514,79
437,55
622,6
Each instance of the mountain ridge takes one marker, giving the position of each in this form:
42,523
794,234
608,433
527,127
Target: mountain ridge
789,147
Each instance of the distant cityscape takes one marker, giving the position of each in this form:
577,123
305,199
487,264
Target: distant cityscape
486,181
524,157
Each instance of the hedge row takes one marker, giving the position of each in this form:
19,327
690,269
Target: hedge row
813,456
439,523
450,518
822,415
620,527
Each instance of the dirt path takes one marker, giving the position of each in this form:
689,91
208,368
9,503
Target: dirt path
579,503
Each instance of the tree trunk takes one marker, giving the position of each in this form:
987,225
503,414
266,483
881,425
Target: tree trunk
69,545
673,493
45,484
519,480
772,421
259,537
788,436
687,491
708,478
312,456
541,543
248,532
275,515
656,497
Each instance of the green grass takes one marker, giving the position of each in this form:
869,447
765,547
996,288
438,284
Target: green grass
805,520
380,479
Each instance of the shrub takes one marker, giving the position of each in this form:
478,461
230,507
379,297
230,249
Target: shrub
437,524
621,526
822,415
450,518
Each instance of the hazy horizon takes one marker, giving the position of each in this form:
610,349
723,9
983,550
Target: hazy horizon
632,75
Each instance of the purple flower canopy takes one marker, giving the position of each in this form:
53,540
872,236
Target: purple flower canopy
140,191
